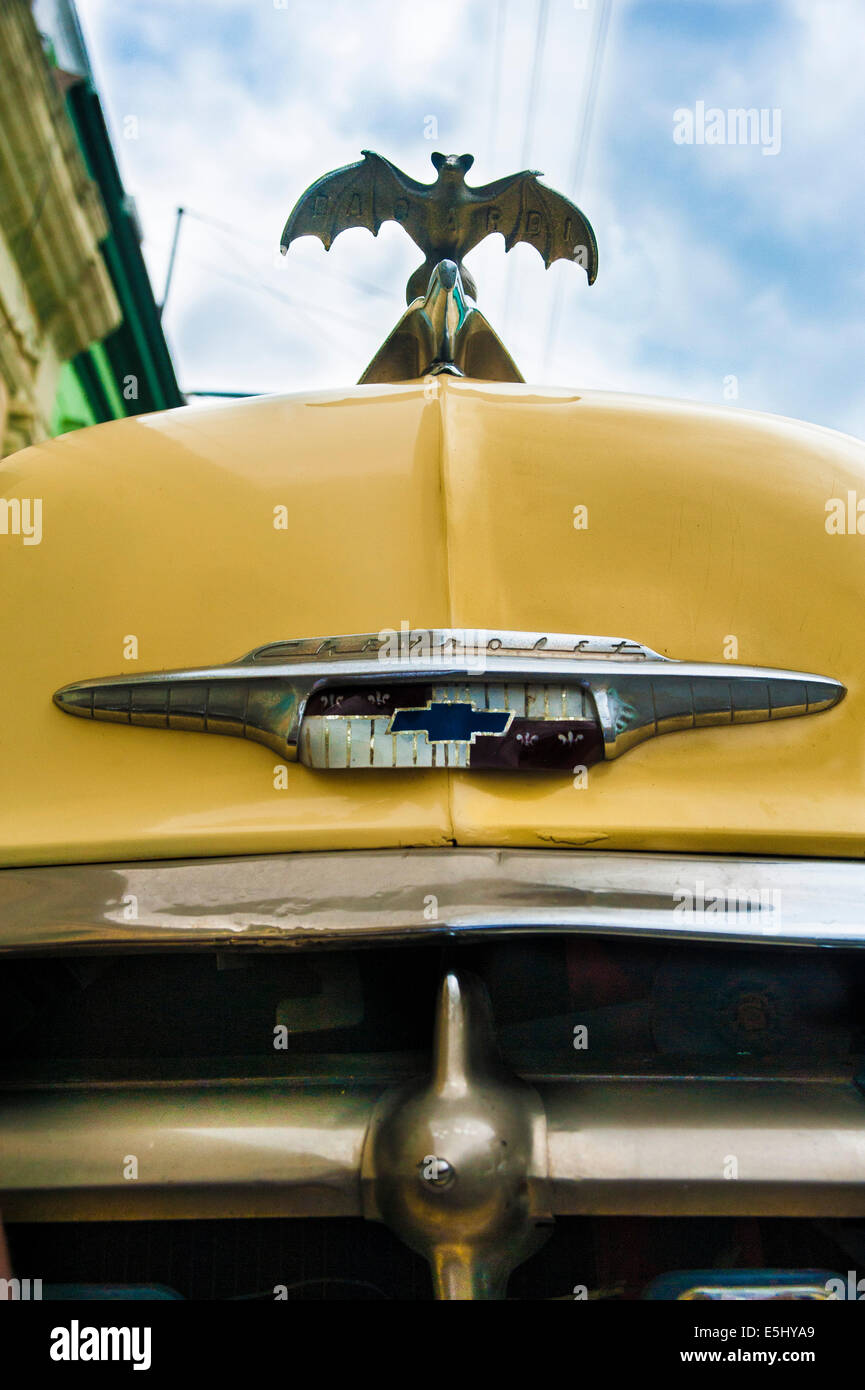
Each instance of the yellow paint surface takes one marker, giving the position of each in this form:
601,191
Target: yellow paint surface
453,508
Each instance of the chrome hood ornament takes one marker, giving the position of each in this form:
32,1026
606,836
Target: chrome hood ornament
452,698
445,219
442,333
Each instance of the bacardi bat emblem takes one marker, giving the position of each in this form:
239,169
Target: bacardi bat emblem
447,218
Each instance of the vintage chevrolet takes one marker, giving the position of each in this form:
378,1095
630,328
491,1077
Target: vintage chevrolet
520,934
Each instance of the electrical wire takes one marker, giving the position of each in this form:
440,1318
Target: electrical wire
531,110
495,95
240,235
582,142
301,307
254,280
537,67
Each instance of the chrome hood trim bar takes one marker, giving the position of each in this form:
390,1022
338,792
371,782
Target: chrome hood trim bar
377,896
634,693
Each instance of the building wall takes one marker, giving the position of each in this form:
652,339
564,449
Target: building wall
56,296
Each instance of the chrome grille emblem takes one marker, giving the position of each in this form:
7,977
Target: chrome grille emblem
478,725
451,698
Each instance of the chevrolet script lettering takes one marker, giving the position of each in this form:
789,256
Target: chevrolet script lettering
452,698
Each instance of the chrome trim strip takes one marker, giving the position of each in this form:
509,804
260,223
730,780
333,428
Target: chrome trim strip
223,1150
660,1147
247,1149
637,693
323,898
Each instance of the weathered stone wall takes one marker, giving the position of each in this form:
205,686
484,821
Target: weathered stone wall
56,296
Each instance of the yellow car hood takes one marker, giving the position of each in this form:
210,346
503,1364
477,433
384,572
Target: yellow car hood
447,505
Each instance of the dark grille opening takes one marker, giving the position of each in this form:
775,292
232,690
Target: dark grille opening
613,1258
648,1007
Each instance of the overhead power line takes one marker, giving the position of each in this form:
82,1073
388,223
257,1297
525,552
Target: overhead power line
531,111
537,66
582,143
172,257
241,235
498,61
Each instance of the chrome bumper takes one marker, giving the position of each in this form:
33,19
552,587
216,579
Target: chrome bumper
295,1149
376,896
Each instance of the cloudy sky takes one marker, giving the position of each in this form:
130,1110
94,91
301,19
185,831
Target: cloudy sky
717,261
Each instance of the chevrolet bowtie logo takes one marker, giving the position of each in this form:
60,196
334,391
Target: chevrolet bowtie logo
450,722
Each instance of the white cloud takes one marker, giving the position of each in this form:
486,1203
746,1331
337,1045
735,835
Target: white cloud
713,261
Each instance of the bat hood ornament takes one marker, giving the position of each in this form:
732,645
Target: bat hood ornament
445,219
